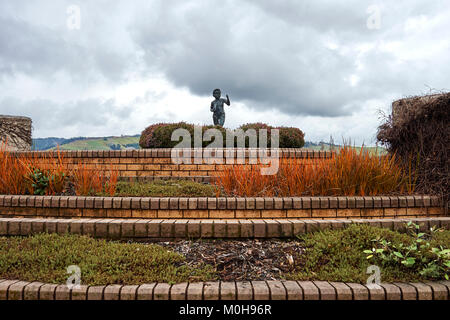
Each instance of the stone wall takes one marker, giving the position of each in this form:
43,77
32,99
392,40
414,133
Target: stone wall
16,131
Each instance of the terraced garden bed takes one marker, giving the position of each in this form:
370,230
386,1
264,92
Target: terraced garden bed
333,255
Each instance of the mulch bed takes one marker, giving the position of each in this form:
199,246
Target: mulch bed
239,260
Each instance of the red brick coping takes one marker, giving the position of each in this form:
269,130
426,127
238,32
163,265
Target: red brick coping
152,229
167,152
251,290
220,208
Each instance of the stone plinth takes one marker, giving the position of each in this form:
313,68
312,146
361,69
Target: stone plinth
16,131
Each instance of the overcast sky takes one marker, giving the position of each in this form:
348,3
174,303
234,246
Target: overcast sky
326,67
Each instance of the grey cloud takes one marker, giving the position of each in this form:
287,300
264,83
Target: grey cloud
273,54
39,50
272,65
82,114
320,15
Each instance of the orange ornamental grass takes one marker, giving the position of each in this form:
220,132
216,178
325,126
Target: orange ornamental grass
349,173
52,166
13,171
58,173
91,182
85,182
17,174
111,183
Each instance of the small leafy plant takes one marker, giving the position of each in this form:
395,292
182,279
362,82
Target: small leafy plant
39,181
420,255
46,182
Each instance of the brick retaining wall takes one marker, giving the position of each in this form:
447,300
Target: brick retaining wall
220,208
158,162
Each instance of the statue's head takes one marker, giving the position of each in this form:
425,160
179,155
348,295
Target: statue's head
217,93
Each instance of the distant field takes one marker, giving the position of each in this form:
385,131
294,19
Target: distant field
372,150
107,143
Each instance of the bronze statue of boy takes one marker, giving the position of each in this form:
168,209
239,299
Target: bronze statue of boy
217,108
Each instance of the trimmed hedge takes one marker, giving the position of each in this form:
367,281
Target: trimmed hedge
159,135
291,137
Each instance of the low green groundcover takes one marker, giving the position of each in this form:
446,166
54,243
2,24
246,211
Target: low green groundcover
165,188
333,255
45,257
345,255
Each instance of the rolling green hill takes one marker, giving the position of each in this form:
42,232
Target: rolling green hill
105,143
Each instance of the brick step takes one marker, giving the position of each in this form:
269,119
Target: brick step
155,229
220,208
248,290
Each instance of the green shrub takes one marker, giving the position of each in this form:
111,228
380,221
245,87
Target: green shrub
44,182
257,126
291,137
39,181
146,139
206,143
159,135
419,256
